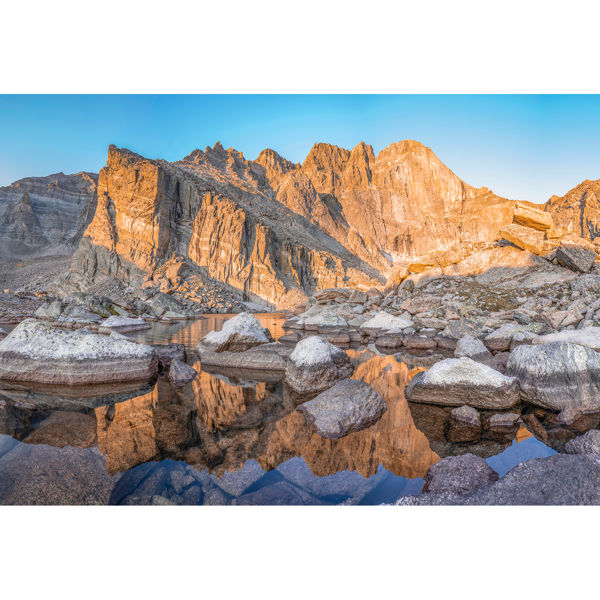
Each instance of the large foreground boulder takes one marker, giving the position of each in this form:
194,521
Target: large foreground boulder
350,405
239,333
36,351
462,381
558,376
555,480
315,365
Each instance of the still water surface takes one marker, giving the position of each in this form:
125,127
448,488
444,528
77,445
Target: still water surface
221,439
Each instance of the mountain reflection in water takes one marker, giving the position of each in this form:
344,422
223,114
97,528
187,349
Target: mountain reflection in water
219,440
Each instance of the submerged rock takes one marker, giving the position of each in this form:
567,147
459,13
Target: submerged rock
181,374
558,376
239,333
316,365
350,405
167,353
460,381
459,474
38,352
465,424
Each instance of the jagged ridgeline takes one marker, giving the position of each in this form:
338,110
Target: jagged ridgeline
269,230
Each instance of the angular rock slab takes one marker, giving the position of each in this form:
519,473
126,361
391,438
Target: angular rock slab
524,237
576,258
532,217
350,405
315,365
558,376
38,352
462,381
239,333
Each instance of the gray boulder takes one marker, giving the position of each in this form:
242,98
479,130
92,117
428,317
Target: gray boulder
350,405
558,376
36,351
588,443
238,334
470,347
459,381
181,374
315,365
576,258
459,475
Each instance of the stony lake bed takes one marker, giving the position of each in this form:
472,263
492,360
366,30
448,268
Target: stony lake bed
236,436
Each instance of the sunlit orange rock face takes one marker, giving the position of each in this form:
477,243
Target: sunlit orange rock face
126,432
276,231
578,211
393,441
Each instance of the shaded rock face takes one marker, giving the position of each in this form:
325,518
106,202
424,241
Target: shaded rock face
576,258
217,209
45,214
558,376
350,405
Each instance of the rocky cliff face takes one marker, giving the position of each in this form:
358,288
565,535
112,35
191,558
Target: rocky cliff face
218,211
45,215
276,231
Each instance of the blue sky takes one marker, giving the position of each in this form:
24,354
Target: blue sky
521,146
